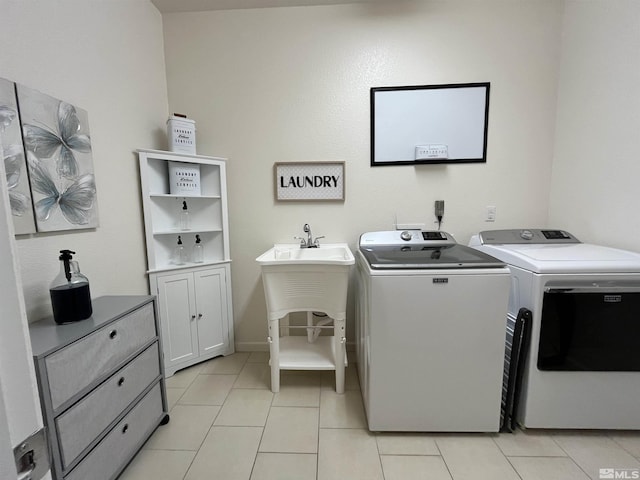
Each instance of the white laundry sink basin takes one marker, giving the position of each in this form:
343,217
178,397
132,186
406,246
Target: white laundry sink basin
292,254
306,279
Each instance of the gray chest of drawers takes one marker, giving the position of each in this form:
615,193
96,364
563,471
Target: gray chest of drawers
101,383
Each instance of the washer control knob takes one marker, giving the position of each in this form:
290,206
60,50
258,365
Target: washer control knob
526,234
406,235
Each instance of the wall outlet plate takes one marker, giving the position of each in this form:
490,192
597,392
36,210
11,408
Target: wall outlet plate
491,214
432,152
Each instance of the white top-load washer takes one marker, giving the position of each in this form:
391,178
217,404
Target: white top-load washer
430,332
582,369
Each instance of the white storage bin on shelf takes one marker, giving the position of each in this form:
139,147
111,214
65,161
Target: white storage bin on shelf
184,178
182,134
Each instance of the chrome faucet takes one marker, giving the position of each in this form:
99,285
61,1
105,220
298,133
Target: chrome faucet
309,242
307,230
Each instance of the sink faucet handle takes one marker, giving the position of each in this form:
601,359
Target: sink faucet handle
316,242
303,242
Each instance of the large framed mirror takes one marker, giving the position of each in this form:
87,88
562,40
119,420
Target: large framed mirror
429,124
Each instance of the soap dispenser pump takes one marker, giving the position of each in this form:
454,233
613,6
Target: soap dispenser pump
184,217
198,251
69,291
179,255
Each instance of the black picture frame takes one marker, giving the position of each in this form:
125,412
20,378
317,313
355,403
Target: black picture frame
453,116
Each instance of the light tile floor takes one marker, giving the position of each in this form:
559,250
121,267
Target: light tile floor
226,424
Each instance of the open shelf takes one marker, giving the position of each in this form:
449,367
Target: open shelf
191,231
296,353
163,209
181,196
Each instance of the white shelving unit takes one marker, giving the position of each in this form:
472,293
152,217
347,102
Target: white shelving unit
194,299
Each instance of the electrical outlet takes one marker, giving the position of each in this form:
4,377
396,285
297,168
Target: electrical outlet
491,214
432,152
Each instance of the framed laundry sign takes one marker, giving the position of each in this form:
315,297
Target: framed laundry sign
309,181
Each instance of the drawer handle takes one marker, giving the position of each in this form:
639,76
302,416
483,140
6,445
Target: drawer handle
125,428
112,334
120,381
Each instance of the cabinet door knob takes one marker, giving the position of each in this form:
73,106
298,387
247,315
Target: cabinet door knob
193,317
199,315
112,334
125,428
120,381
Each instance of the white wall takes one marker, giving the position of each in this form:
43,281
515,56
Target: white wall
596,169
105,56
292,84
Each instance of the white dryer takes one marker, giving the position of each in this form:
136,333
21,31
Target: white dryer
582,369
430,333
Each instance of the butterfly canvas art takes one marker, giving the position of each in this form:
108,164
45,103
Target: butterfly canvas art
58,148
13,157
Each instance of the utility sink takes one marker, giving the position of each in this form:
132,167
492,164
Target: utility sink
307,280
292,254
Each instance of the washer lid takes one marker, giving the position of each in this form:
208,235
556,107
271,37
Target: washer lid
565,258
427,257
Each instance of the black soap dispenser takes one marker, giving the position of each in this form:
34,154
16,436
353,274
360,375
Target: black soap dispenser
70,295
198,251
179,256
185,224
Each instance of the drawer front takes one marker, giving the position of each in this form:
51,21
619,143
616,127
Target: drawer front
106,460
104,404
80,364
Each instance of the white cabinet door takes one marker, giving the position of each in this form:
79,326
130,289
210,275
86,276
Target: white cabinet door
177,305
211,302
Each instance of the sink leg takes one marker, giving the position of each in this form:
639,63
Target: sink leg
339,339
309,329
274,351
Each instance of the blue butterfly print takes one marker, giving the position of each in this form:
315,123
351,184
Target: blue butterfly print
13,158
75,202
44,142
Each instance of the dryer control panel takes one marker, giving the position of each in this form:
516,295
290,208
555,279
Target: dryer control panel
526,235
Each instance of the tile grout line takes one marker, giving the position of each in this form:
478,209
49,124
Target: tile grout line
210,426
515,470
264,427
569,456
318,441
446,465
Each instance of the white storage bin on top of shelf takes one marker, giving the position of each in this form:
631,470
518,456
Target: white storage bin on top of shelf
182,134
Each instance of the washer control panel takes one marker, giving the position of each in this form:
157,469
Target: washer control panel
407,237
526,235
